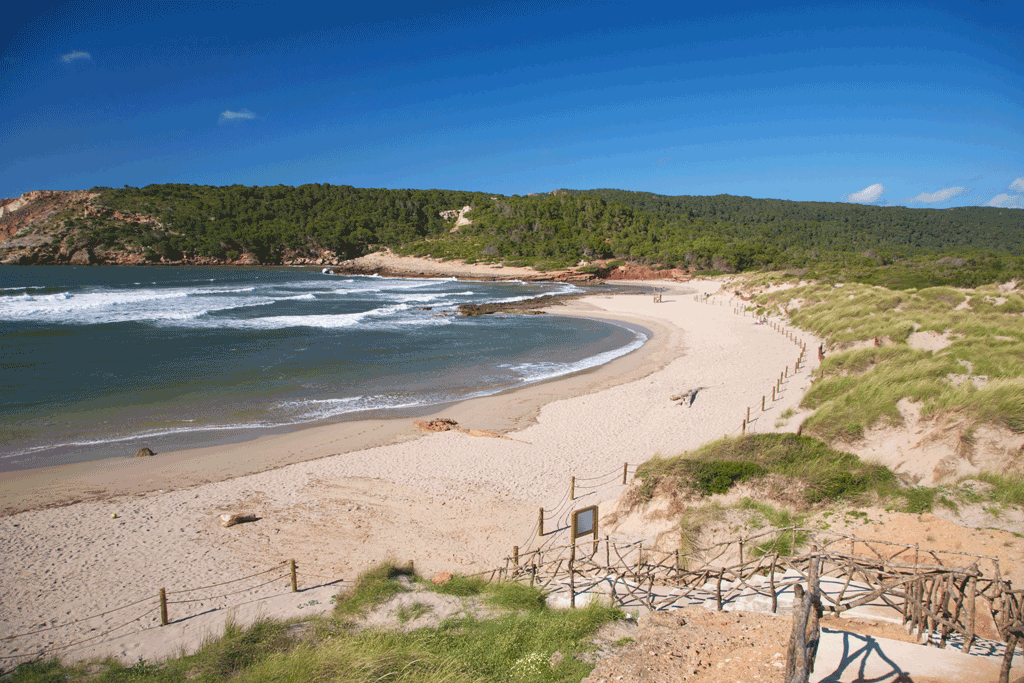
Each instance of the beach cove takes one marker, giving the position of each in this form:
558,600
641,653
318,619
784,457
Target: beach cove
341,498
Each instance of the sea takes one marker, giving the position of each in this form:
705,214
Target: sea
96,362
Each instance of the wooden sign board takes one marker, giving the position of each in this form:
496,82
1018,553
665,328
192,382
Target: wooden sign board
584,522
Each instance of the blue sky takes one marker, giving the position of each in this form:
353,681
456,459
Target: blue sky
909,103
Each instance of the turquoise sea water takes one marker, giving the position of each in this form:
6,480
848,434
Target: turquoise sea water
97,362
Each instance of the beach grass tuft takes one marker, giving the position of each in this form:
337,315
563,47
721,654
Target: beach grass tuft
371,588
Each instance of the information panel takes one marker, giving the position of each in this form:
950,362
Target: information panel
584,522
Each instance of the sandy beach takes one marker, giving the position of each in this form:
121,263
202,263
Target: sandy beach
341,498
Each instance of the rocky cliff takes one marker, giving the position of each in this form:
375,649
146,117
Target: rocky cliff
46,227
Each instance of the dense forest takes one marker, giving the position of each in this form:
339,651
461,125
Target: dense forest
555,230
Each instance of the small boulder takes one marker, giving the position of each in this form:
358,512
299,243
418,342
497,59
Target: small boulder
144,453
441,424
441,578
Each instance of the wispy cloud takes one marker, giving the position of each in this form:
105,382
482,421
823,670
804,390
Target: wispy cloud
72,56
228,116
940,196
1010,201
868,194
1006,201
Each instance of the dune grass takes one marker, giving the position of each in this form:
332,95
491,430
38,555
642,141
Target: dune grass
517,645
858,389
823,473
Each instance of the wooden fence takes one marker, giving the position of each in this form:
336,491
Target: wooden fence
944,597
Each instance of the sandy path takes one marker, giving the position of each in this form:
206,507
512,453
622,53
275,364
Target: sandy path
449,501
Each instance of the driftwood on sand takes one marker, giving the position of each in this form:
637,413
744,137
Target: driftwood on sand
445,424
228,519
687,397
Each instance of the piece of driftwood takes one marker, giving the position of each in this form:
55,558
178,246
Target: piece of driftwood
144,453
229,519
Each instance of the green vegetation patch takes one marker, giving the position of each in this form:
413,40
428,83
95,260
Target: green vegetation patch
826,473
517,645
372,587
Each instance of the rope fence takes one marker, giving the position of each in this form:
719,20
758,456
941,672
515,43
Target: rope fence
157,607
792,334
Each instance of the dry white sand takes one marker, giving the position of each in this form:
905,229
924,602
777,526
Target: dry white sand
449,501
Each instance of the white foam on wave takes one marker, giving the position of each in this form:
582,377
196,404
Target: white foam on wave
324,321
315,410
538,372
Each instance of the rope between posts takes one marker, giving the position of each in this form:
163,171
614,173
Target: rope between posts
38,653
224,583
77,621
214,597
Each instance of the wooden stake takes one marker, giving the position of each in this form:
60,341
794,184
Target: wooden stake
771,581
718,591
972,592
163,607
515,555
1004,672
540,523
625,469
295,581
762,404
572,488
748,413
773,394
572,575
743,430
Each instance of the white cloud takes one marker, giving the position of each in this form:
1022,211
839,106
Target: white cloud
77,54
227,115
1018,185
868,194
940,196
1007,201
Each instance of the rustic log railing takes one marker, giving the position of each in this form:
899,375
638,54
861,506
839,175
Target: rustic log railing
942,596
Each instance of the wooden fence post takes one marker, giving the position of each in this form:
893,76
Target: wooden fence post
972,594
163,607
295,582
718,591
572,575
748,413
1011,645
572,488
515,555
773,394
762,403
803,642
743,429
540,522
625,470
771,585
